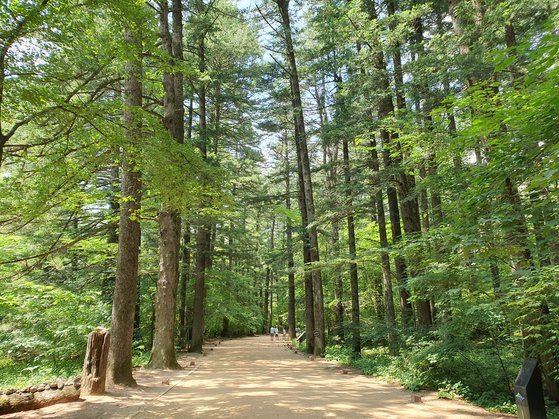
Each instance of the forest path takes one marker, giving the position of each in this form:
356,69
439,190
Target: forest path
255,377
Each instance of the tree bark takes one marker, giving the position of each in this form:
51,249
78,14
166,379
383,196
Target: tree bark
265,310
386,108
301,143
202,248
185,276
204,231
270,270
95,363
424,200
419,220
383,239
119,370
163,350
354,279
291,321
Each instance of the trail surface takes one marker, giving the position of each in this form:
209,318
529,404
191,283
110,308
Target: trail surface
256,378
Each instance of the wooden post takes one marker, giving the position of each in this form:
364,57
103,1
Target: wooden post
95,363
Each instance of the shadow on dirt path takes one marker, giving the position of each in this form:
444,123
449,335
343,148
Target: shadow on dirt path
257,378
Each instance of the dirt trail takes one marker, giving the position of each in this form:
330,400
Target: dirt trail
254,377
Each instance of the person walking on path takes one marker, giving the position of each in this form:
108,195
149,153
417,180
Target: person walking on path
272,333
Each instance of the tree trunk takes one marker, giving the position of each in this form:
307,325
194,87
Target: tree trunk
406,183
424,200
354,280
265,311
338,284
301,143
108,280
291,321
163,350
202,247
119,370
538,220
271,312
383,239
95,363
270,271
185,275
204,231
386,108
185,272
225,327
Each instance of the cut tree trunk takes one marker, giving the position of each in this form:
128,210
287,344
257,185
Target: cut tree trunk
95,363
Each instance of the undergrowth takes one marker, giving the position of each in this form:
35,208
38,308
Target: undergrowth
22,374
471,375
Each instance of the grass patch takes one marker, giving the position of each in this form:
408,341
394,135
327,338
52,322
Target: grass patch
22,374
140,358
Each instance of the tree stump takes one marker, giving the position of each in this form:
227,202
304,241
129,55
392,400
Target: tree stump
95,363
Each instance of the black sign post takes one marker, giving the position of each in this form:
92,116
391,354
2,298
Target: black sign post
528,391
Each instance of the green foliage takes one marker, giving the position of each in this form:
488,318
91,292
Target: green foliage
44,331
230,296
473,373
40,322
24,373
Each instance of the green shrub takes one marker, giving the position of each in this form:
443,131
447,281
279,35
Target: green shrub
43,331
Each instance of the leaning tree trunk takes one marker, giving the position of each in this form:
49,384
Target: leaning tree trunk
119,370
95,363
